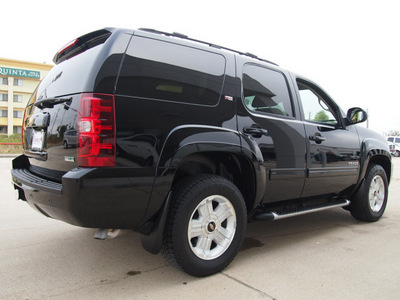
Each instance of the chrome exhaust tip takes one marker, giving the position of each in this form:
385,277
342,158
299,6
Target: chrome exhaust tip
102,234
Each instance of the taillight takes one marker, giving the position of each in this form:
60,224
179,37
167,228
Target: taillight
96,131
22,131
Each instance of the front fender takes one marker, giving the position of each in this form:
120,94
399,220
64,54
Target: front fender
374,150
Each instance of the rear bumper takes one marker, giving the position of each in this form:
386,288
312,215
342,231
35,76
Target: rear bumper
87,197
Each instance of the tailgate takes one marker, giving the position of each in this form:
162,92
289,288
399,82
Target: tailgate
88,64
50,133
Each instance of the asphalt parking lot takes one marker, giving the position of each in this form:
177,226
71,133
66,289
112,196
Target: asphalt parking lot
325,255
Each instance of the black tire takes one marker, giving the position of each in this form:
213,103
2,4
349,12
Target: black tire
214,238
65,144
369,202
396,153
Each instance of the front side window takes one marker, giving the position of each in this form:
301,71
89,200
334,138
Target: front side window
315,107
266,91
160,70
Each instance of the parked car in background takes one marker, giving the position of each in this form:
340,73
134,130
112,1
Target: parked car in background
70,139
394,145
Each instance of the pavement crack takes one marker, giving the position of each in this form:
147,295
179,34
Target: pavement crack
261,293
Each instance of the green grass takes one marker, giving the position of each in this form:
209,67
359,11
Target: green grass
15,138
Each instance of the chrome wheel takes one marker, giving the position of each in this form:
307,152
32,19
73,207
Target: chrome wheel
212,227
369,202
206,224
376,193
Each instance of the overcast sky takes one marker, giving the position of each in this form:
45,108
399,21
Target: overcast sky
350,48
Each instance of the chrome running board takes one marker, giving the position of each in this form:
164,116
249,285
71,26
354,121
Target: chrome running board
282,214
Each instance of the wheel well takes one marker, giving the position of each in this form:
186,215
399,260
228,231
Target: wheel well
235,168
384,162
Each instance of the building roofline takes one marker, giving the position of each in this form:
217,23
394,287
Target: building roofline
25,64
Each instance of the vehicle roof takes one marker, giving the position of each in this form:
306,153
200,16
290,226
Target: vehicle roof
187,40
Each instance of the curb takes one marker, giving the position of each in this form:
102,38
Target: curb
11,155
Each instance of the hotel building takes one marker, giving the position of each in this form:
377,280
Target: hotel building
18,80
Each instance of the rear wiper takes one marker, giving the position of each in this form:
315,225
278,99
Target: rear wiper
50,102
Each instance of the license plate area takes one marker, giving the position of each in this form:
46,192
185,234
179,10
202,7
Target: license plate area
37,140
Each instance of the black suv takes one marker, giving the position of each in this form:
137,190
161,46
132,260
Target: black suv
186,141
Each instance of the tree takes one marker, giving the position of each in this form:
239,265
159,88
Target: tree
394,133
321,116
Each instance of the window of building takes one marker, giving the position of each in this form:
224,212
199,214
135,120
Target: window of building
159,70
17,82
18,98
17,129
3,97
4,80
266,91
3,129
17,114
3,113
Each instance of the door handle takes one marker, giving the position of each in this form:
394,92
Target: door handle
255,130
317,137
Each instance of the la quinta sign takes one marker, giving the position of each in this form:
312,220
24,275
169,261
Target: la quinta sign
19,73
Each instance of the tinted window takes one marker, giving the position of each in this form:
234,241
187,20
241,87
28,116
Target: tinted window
160,70
266,91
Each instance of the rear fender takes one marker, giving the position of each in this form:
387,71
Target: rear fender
182,142
190,139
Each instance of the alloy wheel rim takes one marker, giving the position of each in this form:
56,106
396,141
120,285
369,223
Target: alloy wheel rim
212,227
376,193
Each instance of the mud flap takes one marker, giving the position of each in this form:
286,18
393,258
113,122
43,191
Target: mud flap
153,242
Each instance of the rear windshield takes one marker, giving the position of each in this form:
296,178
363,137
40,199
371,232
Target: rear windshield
70,76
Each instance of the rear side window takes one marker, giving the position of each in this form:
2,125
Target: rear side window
266,91
159,70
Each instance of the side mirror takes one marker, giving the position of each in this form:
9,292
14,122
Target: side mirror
356,115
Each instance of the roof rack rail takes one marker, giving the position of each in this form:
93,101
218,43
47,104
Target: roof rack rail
183,36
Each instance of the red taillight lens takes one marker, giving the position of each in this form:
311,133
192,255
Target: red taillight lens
22,132
96,131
